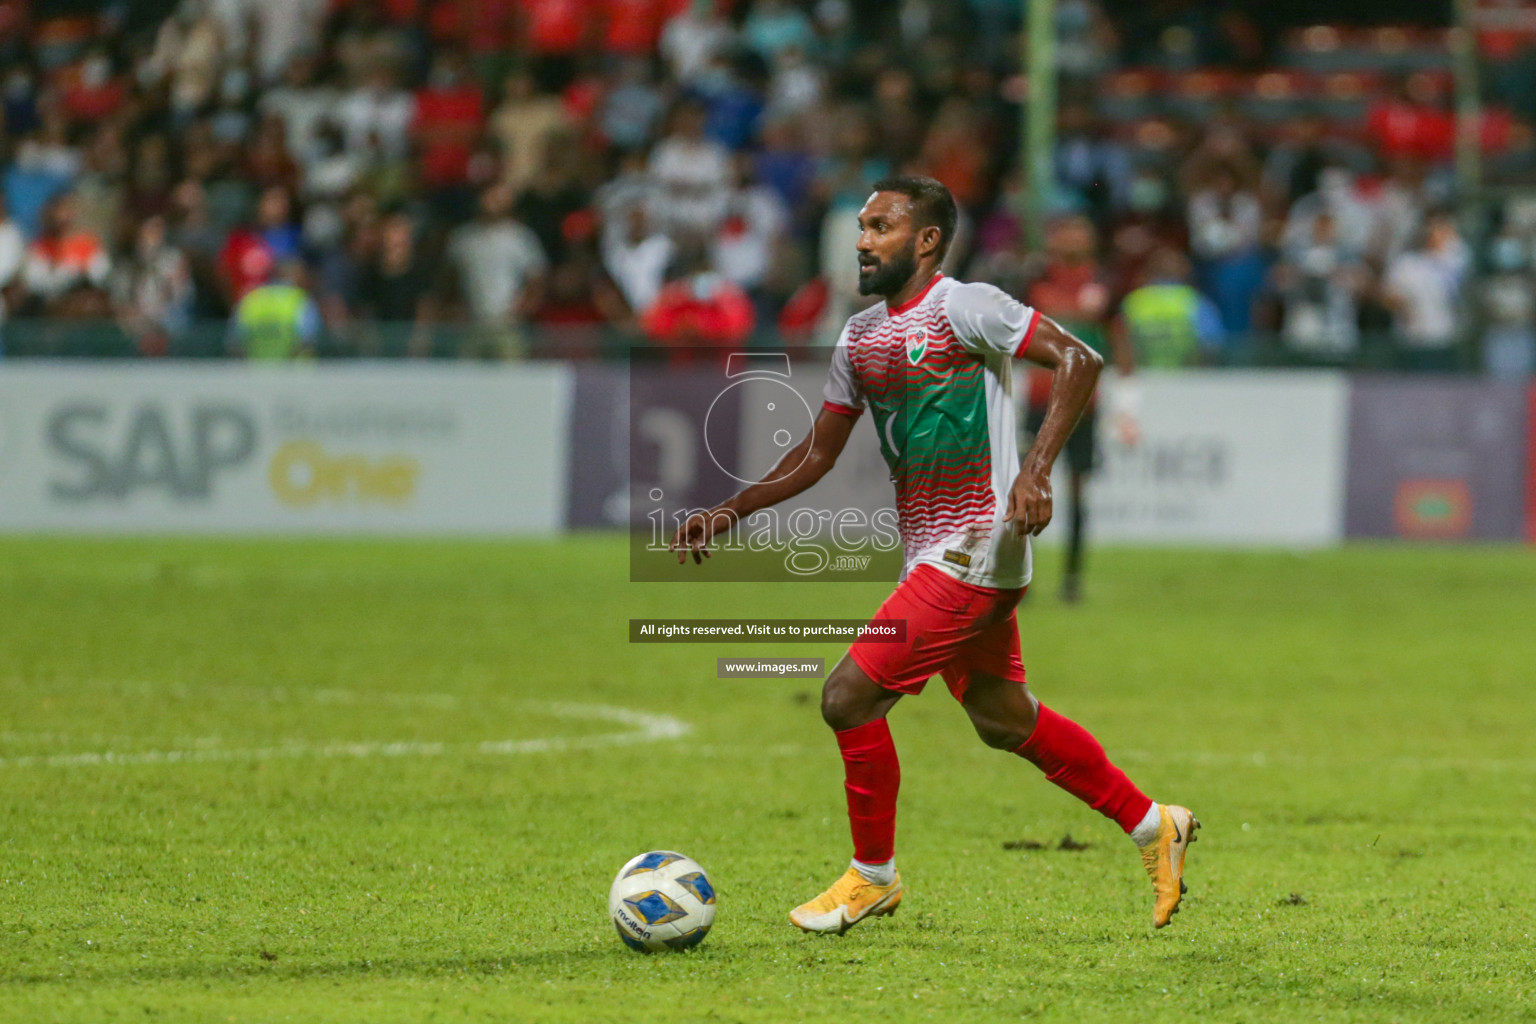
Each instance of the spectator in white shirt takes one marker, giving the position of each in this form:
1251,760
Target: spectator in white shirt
13,251
303,104
500,267
754,222
1509,309
1422,288
1224,219
152,290
188,51
692,173
691,39
380,112
283,28
13,247
1225,222
636,256
1338,198
1319,283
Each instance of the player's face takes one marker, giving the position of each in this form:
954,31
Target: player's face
887,244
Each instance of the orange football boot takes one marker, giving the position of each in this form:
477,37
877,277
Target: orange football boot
851,899
1164,860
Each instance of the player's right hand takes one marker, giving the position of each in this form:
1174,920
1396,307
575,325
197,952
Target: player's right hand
1030,502
694,536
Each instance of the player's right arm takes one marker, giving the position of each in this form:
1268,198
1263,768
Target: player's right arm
799,468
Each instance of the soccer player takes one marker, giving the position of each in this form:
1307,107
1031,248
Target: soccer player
932,365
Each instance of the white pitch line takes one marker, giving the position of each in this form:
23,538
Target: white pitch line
643,727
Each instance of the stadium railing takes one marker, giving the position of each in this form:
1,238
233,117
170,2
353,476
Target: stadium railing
209,339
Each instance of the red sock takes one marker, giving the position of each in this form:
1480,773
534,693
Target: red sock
1074,760
872,776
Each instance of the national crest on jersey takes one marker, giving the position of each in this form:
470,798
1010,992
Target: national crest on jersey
915,341
939,396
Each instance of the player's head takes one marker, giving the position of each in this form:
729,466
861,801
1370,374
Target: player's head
906,226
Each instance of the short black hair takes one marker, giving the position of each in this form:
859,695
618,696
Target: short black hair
932,203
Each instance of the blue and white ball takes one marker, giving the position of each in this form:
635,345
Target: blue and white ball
662,900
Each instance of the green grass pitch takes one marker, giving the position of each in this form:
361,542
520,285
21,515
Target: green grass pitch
377,781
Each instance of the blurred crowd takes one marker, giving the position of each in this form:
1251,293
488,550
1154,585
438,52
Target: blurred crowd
504,178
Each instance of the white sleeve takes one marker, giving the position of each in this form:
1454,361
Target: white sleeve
843,393
531,253
987,319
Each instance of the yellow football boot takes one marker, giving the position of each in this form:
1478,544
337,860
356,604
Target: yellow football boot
1164,860
851,899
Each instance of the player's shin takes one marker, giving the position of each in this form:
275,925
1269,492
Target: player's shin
1075,761
872,776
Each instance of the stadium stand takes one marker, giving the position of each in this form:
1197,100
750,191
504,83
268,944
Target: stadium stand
512,178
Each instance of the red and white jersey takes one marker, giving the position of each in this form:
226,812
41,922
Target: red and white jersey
935,373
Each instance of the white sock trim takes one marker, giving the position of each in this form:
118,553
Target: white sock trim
1146,831
880,874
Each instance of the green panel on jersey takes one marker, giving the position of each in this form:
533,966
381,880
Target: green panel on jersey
936,422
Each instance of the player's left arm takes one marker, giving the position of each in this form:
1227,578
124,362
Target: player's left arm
1074,372
988,320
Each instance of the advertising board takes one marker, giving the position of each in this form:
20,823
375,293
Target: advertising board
381,448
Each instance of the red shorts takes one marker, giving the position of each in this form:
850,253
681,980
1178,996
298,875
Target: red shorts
953,629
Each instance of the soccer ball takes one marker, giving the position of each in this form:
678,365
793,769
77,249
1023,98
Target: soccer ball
661,900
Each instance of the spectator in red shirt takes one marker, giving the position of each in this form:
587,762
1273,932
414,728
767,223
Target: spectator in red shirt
1413,122
700,308
450,115
485,28
556,27
252,253
94,89
632,26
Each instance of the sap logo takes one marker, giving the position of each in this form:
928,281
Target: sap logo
155,449
302,473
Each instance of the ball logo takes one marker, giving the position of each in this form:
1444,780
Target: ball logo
916,344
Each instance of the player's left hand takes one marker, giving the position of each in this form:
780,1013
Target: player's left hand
1030,503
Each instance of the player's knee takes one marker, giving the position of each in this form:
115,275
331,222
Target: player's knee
845,704
998,735
837,709
1002,725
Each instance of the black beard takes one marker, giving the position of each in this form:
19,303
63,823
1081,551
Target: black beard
891,276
